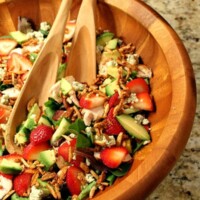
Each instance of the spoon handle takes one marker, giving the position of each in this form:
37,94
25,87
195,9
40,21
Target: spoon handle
41,77
83,51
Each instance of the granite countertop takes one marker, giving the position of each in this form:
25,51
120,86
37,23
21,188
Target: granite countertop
183,182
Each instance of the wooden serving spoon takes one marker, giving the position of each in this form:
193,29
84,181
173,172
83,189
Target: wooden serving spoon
82,59
43,74
41,77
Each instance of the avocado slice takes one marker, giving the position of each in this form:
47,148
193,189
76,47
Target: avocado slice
65,86
112,87
10,167
44,120
47,158
132,127
112,44
113,71
104,38
22,135
114,55
19,36
61,130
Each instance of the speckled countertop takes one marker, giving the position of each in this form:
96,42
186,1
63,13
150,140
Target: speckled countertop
183,182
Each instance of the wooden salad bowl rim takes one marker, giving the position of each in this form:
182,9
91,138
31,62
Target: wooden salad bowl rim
143,179
149,171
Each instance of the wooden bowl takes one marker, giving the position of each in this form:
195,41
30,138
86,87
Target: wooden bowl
173,84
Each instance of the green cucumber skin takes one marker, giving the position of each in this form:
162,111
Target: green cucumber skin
132,127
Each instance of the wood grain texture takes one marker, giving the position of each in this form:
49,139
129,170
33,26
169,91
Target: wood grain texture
173,89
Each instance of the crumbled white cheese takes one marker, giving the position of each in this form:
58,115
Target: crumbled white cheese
111,63
36,34
3,127
78,86
145,121
104,66
2,74
132,59
88,129
5,186
45,26
132,98
72,135
4,99
105,140
36,194
110,141
11,92
89,178
139,118
144,71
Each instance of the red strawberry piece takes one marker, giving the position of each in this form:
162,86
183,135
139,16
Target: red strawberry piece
7,45
73,180
22,183
4,114
66,149
8,176
31,151
92,101
138,85
144,102
114,100
113,127
41,134
18,63
14,157
114,156
76,162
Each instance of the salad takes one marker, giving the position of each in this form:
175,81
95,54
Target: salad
84,136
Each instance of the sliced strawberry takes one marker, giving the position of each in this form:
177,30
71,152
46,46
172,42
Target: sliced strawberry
7,45
66,150
8,176
14,157
114,100
138,85
114,156
92,101
113,127
73,180
4,113
144,102
22,183
18,64
41,134
31,151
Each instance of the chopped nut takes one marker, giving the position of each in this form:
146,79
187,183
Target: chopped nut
92,191
48,175
84,167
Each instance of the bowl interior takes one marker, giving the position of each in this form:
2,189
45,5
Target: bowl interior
136,23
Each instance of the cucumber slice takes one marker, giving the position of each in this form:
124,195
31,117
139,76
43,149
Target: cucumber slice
132,127
112,44
61,130
112,87
104,38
